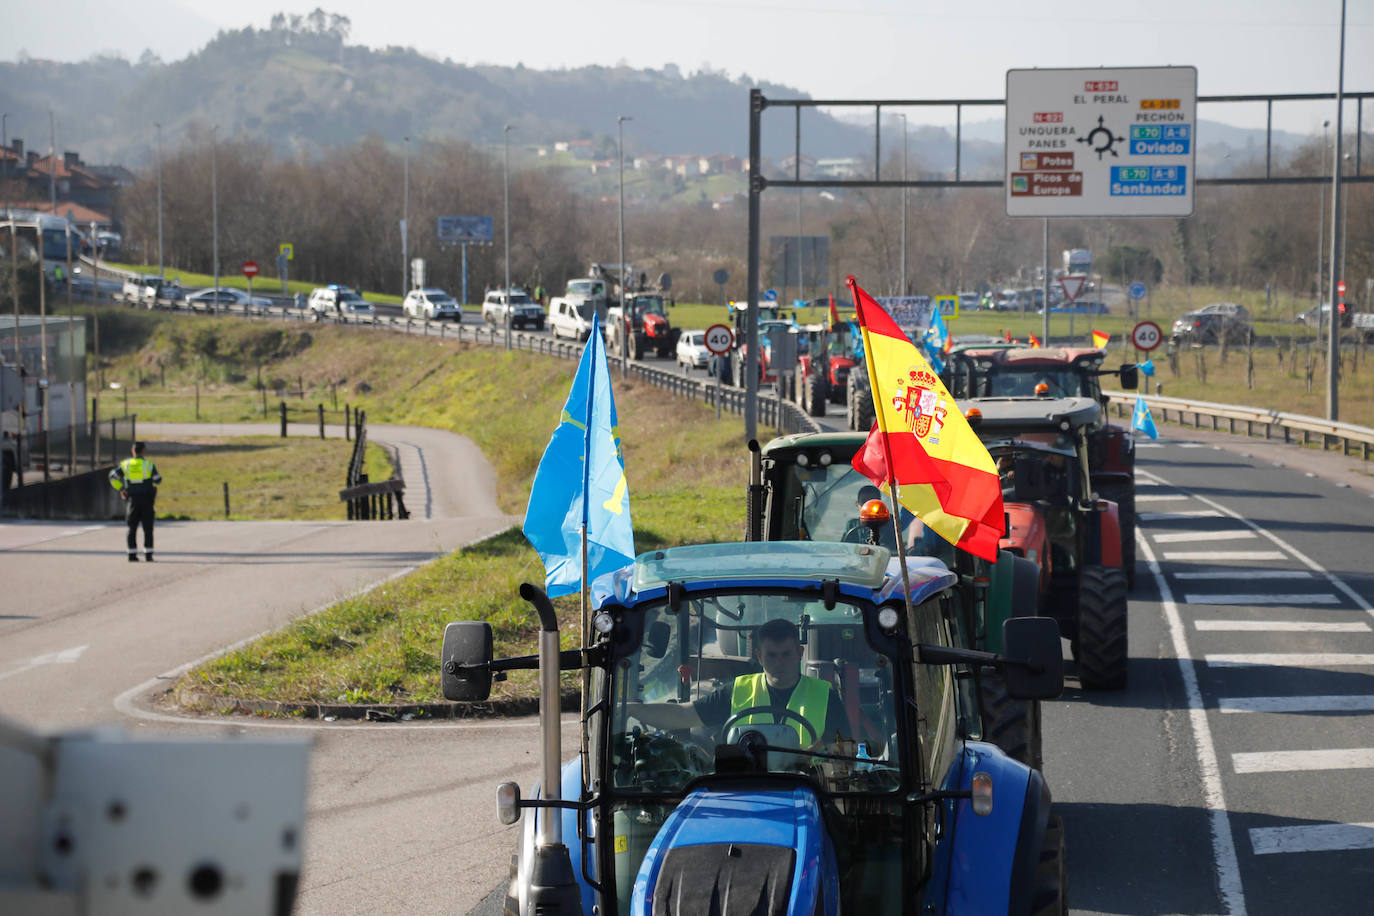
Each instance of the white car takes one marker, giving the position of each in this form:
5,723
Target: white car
339,301
524,311
691,350
572,319
226,295
432,303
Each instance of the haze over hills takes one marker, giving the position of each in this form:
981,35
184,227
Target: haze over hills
300,87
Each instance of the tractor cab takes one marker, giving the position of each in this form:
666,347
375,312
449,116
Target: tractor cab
782,722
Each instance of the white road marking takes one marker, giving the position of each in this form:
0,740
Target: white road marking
1355,758
1314,838
1170,516
1213,556
1189,445
1251,600
1214,799
1292,659
1277,626
61,657
1157,497
1237,573
1149,445
1179,536
1328,703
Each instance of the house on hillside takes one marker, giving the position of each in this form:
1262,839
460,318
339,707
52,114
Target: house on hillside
580,149
88,191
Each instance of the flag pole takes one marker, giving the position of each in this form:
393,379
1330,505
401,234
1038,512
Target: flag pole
586,600
887,446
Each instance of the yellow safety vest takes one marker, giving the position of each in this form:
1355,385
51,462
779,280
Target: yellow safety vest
135,469
810,699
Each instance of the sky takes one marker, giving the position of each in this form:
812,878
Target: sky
831,49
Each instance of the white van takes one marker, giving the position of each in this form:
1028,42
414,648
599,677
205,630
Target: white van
573,320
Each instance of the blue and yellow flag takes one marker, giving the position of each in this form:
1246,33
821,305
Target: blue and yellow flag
1146,368
1142,419
583,457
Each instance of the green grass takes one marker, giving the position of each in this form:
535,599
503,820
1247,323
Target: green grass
686,474
268,477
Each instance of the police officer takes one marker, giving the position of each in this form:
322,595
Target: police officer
137,480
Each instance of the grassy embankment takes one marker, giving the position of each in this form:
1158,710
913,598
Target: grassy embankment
686,474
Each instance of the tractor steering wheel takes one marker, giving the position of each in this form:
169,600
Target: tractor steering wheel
784,713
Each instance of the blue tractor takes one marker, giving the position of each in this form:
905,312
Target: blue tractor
776,728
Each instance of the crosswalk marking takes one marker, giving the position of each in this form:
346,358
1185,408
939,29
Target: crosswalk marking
1250,600
1245,574
1213,556
1292,659
1278,626
1158,497
1314,838
1170,516
1328,703
1177,536
1289,761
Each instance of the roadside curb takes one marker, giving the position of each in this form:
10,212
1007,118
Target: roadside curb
194,702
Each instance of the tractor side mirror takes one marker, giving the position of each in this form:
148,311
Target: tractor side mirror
1130,377
656,640
1035,663
465,661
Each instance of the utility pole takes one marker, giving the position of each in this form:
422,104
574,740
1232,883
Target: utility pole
214,207
4,151
902,291
52,169
1333,351
405,223
159,201
627,326
505,176
1321,230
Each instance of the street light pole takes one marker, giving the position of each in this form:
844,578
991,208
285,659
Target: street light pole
405,223
627,327
505,175
214,207
52,163
1321,229
902,291
1333,350
159,200
4,151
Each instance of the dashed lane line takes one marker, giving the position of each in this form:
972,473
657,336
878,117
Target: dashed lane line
1158,497
1177,516
1298,704
1291,659
1245,574
1177,537
1215,556
1277,626
1354,758
1229,886
1252,599
1313,838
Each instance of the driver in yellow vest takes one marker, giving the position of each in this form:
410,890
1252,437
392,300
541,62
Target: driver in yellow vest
137,479
791,697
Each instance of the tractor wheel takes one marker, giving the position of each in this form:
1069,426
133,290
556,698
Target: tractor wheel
1012,725
815,395
859,405
1051,876
635,351
1124,497
1102,651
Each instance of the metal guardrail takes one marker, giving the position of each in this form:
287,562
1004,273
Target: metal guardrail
1352,440
783,415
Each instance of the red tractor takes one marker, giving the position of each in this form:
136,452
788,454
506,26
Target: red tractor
832,353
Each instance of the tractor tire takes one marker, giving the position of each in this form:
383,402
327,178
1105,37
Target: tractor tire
1012,725
1124,497
1102,651
816,393
635,352
859,409
1051,875
664,350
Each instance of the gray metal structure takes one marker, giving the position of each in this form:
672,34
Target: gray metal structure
758,182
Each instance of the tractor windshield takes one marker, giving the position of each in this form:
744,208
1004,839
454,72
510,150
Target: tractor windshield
1022,381
774,679
648,305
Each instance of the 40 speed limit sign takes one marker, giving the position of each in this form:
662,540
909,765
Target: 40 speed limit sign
719,339
1146,336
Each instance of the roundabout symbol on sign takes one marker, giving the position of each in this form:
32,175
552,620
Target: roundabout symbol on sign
1136,291
719,339
1146,336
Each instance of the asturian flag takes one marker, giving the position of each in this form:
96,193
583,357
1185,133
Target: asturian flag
920,442
581,483
1142,420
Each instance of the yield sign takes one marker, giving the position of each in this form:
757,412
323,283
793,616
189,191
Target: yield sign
1072,286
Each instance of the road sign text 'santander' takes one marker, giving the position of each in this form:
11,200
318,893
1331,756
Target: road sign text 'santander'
1099,142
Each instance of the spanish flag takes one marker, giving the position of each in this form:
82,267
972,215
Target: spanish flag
1100,339
1034,342
921,443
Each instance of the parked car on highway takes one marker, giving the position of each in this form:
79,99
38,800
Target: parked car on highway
147,288
432,303
1208,327
339,301
212,297
691,350
524,311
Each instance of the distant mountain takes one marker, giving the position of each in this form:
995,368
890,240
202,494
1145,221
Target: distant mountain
305,89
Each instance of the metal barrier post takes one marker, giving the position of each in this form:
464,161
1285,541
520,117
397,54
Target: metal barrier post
226,499
348,429
321,408
283,419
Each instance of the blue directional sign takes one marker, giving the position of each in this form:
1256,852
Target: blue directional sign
1161,139
770,295
1136,291
465,229
1149,181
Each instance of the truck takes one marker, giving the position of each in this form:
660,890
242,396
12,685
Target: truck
570,315
1363,323
883,803
1078,261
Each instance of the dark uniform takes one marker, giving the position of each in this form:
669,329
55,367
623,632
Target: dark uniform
137,478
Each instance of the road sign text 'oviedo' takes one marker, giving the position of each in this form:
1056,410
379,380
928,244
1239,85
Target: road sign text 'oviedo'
1116,142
